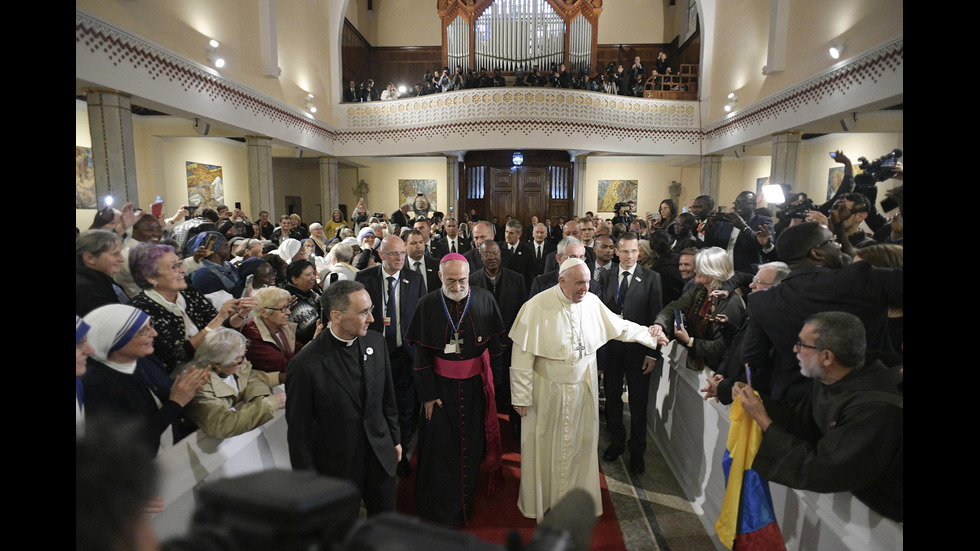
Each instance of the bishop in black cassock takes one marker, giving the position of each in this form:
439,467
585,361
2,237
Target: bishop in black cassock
455,342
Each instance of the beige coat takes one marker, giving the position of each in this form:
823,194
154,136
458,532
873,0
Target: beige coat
221,413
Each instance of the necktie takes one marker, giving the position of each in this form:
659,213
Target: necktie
623,287
599,271
452,245
390,313
418,269
539,252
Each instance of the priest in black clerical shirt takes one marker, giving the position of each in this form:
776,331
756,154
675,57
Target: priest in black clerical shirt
341,413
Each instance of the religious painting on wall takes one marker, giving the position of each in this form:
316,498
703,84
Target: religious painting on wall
834,179
205,187
84,179
409,191
615,191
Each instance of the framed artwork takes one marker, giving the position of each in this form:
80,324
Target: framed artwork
205,187
834,179
409,191
615,191
84,179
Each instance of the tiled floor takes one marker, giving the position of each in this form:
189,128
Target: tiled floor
652,510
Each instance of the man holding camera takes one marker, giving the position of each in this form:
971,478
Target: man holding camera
744,233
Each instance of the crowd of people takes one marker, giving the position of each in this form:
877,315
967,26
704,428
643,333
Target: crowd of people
382,328
613,79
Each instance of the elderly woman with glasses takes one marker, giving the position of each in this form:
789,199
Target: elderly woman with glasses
125,379
709,320
235,399
271,336
182,315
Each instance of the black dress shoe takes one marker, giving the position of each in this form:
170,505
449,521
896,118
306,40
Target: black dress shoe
612,452
636,463
404,468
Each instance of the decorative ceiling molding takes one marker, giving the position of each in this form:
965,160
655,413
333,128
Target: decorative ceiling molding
854,76
142,59
112,57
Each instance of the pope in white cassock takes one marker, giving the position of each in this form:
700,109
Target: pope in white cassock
554,383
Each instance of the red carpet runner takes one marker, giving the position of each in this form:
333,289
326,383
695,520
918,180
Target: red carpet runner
494,517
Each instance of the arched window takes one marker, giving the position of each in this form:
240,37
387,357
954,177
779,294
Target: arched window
517,34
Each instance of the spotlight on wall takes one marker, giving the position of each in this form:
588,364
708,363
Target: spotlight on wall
402,89
836,49
518,158
308,102
732,102
214,58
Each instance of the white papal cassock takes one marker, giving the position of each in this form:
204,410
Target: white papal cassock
553,371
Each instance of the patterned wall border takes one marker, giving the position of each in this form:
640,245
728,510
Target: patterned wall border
125,49
861,71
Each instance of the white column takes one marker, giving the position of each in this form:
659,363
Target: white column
260,190
452,186
329,187
110,121
785,158
711,176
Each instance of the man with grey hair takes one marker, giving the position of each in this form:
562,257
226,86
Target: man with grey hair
731,370
568,247
521,252
342,254
482,231
541,248
847,432
555,386
400,216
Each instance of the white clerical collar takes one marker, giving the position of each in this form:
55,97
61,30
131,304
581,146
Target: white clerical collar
347,342
564,300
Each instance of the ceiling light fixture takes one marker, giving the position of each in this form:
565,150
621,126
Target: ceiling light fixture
308,102
213,57
836,49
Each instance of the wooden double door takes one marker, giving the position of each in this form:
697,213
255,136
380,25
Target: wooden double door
493,186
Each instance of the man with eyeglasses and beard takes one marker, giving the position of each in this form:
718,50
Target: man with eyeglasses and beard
456,333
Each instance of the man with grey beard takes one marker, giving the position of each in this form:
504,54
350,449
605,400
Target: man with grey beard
456,333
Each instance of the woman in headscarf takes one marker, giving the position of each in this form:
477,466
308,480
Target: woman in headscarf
235,399
367,238
124,377
272,337
216,273
182,315
291,250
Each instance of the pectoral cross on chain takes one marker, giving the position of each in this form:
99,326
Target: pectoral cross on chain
580,348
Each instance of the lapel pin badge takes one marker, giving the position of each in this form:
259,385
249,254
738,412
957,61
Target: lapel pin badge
479,339
369,350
